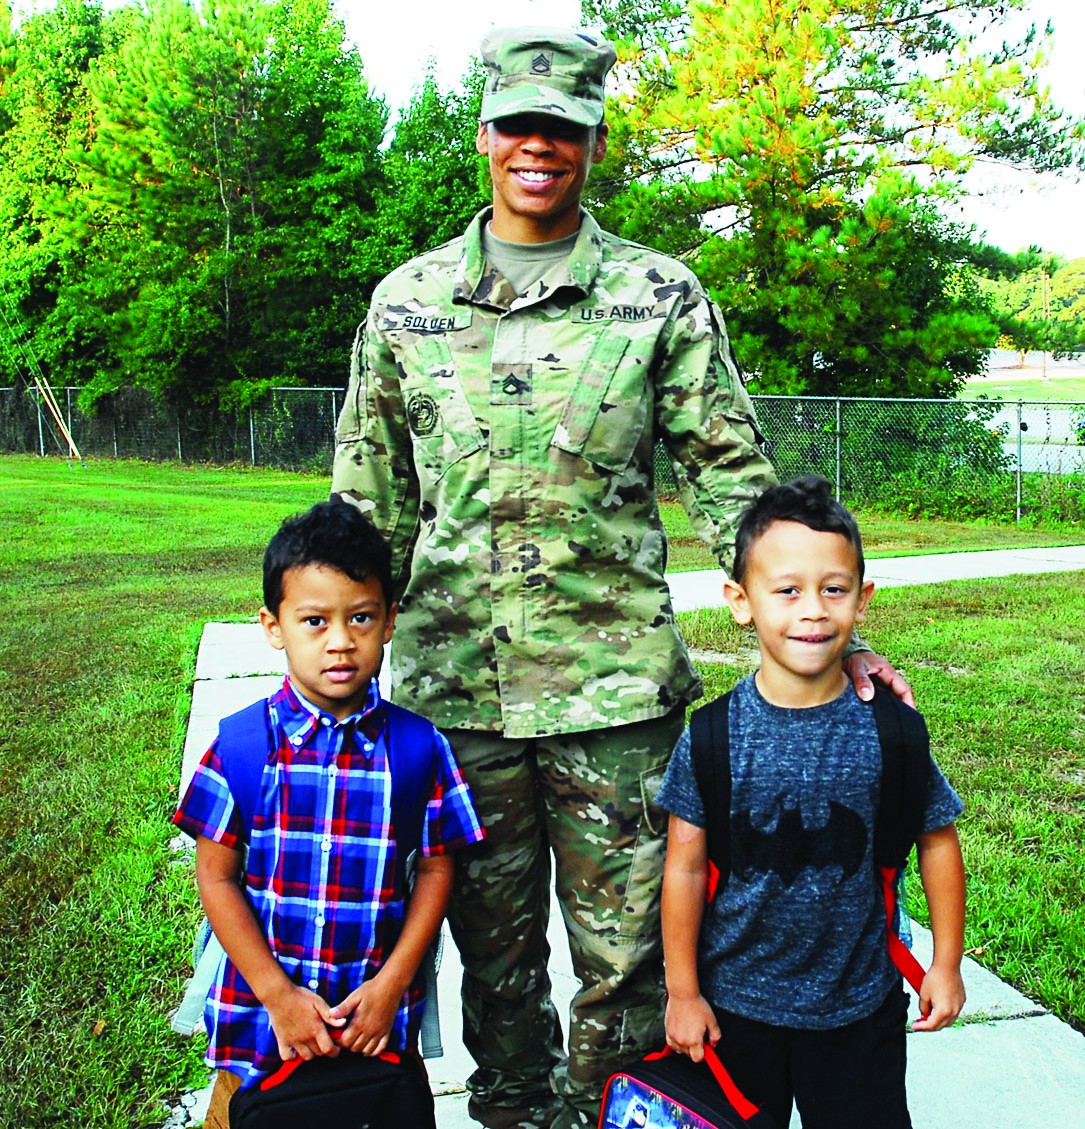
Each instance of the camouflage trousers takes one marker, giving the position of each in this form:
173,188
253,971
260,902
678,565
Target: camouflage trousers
587,799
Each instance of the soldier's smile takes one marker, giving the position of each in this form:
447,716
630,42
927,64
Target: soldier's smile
538,165
537,176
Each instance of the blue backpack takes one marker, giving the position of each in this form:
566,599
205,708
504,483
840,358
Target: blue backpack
245,741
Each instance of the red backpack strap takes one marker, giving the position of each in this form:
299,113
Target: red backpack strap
742,1104
899,953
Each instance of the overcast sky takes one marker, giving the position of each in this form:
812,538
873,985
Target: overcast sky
1015,209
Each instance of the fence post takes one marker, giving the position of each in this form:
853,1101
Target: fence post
839,445
41,430
180,456
252,438
1017,519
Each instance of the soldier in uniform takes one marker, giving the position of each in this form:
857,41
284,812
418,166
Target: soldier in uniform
507,394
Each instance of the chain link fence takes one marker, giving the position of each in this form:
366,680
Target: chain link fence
949,458
289,428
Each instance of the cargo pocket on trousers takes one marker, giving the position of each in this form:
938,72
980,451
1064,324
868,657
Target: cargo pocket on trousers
642,1030
640,911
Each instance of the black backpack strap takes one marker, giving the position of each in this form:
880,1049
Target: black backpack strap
906,761
710,753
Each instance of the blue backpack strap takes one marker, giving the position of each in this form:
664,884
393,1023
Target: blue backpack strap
244,743
410,756
411,748
710,752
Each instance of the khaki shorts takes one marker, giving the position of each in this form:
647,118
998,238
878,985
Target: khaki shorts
218,1112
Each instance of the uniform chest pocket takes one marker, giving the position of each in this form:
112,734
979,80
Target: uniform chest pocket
443,425
604,417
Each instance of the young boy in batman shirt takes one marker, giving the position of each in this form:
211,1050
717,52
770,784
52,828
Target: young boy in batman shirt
788,965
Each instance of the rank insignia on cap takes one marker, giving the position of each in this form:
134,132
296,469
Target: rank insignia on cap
556,71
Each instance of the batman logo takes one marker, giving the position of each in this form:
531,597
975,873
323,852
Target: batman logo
790,847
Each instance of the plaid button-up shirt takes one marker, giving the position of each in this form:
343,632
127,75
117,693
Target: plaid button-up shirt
321,872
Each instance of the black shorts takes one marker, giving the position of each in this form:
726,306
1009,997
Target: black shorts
845,1078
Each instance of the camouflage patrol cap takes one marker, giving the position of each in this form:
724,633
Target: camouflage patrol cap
545,70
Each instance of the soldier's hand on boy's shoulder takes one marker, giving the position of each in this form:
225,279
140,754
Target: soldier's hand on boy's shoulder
371,1009
690,1024
941,998
862,666
301,1020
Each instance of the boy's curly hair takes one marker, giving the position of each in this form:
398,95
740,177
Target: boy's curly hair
809,501
334,534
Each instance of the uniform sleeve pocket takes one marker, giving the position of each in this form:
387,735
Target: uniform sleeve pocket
352,417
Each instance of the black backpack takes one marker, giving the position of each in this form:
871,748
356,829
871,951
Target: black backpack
906,767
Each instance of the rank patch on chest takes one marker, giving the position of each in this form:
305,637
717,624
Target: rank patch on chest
422,413
510,385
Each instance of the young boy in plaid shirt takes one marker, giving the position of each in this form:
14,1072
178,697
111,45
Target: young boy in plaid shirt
320,936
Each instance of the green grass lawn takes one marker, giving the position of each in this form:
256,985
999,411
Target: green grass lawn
1028,384
107,575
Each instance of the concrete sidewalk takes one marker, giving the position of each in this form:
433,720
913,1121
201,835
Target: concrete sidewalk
1009,1061
704,589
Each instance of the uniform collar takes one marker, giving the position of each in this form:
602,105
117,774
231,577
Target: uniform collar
480,284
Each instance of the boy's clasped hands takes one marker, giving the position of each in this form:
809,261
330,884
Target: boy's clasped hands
307,1026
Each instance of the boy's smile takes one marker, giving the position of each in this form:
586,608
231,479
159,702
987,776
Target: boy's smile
803,593
333,630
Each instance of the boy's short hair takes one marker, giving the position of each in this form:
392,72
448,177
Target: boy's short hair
334,534
809,501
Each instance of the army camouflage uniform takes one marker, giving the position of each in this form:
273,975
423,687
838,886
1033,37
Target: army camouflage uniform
504,445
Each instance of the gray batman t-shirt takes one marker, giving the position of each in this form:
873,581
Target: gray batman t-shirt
797,937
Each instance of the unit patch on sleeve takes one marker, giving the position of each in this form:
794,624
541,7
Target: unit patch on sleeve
423,413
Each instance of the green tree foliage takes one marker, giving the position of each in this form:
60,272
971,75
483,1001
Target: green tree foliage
1039,301
812,139
211,232
44,116
226,191
435,180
